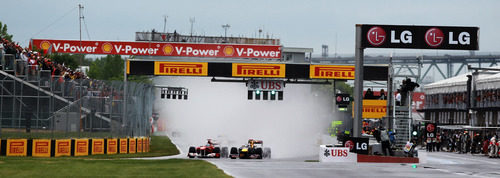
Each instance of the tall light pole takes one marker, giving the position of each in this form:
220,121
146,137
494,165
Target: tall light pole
226,26
165,23
80,18
192,22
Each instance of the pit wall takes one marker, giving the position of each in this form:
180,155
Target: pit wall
73,147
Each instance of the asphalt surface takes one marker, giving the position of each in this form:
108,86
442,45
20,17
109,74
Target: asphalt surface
439,164
433,164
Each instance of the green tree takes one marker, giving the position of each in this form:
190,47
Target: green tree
107,68
69,60
3,32
111,68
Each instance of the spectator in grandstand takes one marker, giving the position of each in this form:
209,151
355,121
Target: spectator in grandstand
382,95
369,94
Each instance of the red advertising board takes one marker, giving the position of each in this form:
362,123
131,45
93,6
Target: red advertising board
158,49
418,101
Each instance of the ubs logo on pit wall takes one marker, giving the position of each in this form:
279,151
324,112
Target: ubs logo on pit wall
376,36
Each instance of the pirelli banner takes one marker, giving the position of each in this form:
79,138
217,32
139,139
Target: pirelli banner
158,49
332,72
252,70
181,68
374,109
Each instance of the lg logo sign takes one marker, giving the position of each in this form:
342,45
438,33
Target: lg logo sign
376,36
434,37
430,129
414,37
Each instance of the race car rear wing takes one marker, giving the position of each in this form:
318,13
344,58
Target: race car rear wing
255,141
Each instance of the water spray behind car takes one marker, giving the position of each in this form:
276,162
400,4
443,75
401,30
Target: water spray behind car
293,127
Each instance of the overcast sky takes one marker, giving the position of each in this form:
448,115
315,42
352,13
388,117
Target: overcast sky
298,23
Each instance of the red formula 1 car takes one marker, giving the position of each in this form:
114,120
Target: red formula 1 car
210,150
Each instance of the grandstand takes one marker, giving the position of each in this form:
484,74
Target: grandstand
39,94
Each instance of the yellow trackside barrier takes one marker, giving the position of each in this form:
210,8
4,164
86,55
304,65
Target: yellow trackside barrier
112,147
123,146
147,144
17,147
132,145
81,147
139,145
41,148
97,146
63,147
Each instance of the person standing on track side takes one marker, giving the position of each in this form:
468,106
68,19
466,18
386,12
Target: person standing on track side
386,145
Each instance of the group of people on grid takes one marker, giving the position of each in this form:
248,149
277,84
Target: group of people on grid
463,142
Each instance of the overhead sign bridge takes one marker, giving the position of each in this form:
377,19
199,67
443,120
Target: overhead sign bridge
251,70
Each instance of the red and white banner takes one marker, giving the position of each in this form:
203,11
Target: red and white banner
418,101
336,154
158,49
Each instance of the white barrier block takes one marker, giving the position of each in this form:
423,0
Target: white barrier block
336,154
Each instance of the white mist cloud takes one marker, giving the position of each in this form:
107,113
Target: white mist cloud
291,128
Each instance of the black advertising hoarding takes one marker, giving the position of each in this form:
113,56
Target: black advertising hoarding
343,99
430,130
420,37
357,145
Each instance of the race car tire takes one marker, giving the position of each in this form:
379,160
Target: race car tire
224,152
234,152
191,150
259,152
267,152
217,152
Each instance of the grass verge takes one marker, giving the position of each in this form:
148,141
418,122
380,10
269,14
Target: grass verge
71,167
111,165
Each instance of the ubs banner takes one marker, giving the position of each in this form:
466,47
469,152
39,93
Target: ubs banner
336,154
419,37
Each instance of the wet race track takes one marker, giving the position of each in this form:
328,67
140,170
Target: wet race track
438,164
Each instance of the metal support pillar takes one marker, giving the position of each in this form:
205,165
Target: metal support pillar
358,85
